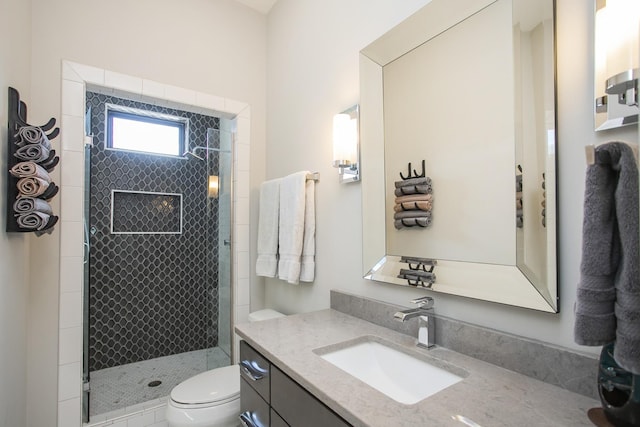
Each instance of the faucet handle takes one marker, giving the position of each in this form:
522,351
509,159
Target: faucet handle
423,302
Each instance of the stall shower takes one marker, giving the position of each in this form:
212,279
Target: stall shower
157,276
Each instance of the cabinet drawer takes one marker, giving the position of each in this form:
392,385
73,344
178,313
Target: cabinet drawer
276,420
298,406
254,411
255,369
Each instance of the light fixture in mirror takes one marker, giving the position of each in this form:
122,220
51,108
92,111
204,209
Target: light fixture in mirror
616,74
346,150
212,186
472,91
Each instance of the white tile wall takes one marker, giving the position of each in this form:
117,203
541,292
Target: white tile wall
72,203
152,88
70,309
69,414
70,345
71,274
75,77
150,414
123,82
71,139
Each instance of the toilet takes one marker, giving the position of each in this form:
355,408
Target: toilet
212,398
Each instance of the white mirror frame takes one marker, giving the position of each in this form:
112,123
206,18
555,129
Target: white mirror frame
506,284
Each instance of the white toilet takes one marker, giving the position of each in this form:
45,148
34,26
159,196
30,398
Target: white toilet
212,398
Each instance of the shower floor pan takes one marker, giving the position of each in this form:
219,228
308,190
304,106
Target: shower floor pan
115,389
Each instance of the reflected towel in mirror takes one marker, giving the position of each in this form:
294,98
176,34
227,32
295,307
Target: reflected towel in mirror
412,214
412,222
407,206
414,198
413,189
413,181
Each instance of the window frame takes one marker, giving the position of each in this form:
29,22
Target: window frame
145,116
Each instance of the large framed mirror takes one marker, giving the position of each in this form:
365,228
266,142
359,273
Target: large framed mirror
468,92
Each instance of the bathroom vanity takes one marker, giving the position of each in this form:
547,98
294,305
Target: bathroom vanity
303,384
270,397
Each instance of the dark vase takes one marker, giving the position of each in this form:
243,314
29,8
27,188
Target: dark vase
619,391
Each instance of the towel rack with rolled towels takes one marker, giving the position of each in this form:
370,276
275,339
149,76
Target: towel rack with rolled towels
420,271
413,200
30,160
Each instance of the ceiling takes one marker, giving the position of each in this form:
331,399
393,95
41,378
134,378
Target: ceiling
263,6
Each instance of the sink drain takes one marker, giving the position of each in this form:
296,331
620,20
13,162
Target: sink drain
155,383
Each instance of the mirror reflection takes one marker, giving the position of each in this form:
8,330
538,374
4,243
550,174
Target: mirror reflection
466,151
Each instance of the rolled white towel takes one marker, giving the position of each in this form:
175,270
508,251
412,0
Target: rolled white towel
31,187
32,135
30,169
29,204
34,153
33,221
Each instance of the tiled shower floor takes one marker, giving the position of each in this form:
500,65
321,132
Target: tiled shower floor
115,388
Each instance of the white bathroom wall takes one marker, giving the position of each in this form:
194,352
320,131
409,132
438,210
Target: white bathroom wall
312,74
15,47
209,47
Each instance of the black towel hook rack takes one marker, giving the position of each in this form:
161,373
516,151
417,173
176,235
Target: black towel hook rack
413,174
17,118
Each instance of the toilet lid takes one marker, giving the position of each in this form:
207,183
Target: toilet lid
216,385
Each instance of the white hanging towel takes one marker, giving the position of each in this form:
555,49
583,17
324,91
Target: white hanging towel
308,262
292,226
268,222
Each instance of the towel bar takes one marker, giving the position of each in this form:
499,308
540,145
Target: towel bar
315,176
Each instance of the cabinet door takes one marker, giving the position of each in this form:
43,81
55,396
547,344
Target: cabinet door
255,369
254,411
276,420
297,406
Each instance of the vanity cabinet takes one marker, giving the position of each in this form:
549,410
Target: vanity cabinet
268,397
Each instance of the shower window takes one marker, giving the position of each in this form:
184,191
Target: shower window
131,129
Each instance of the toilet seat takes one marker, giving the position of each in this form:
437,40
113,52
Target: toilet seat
211,388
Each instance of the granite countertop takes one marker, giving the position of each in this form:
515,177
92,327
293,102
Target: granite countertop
488,395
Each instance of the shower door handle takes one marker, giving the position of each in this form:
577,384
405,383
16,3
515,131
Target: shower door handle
86,245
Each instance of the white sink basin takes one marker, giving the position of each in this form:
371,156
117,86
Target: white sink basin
402,377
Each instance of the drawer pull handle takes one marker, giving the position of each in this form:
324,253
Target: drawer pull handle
249,420
253,370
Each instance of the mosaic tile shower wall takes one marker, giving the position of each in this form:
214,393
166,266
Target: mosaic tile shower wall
150,295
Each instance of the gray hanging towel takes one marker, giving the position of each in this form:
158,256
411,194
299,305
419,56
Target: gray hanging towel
608,298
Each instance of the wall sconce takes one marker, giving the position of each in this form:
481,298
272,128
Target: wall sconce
616,63
212,187
346,145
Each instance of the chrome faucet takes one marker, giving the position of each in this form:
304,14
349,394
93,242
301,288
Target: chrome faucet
426,324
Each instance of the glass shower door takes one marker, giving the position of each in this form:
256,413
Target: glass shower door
85,291
220,169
